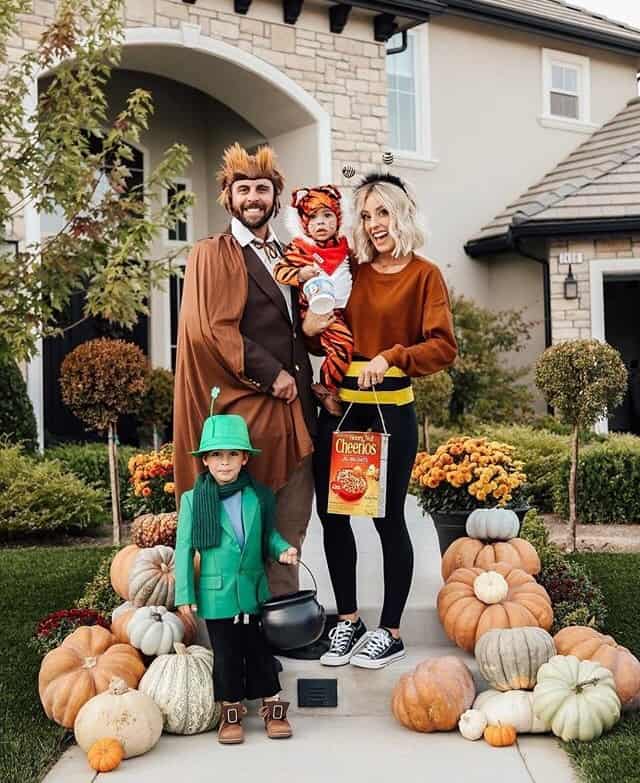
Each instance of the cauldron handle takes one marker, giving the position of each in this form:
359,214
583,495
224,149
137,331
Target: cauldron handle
315,585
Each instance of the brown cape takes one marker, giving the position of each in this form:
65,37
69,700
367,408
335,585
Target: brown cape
211,353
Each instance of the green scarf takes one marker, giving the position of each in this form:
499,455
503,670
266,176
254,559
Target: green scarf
207,508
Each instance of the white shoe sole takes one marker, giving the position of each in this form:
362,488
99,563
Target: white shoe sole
342,660
366,663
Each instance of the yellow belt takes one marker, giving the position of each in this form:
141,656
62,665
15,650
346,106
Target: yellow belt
397,396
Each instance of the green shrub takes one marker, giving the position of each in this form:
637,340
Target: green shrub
17,422
41,497
608,487
575,598
98,594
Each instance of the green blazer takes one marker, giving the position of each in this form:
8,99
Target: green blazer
232,580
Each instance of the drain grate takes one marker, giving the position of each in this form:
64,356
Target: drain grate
318,693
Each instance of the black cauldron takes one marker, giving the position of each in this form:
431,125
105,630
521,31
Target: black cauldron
293,620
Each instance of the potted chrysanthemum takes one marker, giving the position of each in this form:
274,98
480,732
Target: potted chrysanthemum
464,474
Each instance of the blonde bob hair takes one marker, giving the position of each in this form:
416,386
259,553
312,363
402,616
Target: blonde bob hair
403,223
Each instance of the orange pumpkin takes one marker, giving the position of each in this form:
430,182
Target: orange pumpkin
105,754
465,616
82,667
434,696
589,645
472,553
120,568
500,736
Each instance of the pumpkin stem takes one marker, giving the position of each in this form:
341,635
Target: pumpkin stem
581,685
89,662
156,616
181,649
117,686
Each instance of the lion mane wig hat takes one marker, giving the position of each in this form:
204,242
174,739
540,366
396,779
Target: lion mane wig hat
237,163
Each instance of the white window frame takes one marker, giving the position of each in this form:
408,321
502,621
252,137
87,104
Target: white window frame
189,215
421,157
581,124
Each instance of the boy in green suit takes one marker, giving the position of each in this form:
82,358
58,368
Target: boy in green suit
229,518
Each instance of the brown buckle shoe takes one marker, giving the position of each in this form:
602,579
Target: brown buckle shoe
275,719
230,731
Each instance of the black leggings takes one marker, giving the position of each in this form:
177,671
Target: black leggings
339,541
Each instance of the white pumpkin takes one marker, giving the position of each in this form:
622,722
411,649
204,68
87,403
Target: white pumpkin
493,524
472,724
154,629
181,685
125,607
510,708
152,579
577,698
509,658
121,712
490,587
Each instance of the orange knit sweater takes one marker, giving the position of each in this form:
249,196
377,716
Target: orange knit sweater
405,316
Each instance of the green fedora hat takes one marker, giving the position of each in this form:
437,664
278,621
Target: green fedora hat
224,431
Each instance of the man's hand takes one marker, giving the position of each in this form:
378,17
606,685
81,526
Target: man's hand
308,272
373,372
188,609
284,387
289,556
314,324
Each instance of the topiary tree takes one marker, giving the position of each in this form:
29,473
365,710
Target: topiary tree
17,422
157,403
101,380
583,380
433,395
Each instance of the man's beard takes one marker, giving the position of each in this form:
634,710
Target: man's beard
259,222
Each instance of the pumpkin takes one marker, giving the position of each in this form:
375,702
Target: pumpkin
509,658
500,736
469,553
577,698
105,755
152,578
190,623
472,724
587,644
511,707
81,667
466,617
130,716
150,530
434,695
120,568
154,629
493,524
491,587
124,607
120,621
181,686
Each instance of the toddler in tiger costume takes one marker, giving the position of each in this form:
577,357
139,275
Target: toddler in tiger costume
322,251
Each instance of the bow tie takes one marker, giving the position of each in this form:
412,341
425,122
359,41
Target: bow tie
271,248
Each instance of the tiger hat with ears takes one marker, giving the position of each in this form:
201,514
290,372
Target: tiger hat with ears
237,164
306,201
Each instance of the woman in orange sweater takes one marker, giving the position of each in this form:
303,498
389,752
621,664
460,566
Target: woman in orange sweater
400,318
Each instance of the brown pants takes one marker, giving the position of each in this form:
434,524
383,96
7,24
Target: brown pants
293,511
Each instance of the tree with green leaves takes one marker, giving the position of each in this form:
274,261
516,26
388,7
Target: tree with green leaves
68,153
433,395
583,380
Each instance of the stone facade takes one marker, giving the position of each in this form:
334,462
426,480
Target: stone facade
571,319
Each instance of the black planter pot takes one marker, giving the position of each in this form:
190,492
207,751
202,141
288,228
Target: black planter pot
450,525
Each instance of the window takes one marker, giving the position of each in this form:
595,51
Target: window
403,96
566,94
175,287
181,233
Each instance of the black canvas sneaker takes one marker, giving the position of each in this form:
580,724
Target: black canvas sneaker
380,649
346,639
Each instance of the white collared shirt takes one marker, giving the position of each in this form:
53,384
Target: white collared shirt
244,237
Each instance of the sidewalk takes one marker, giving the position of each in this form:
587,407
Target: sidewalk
360,740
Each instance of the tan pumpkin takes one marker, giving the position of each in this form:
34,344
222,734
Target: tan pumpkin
105,755
150,530
509,658
500,736
152,580
120,569
587,644
434,696
82,667
120,622
471,553
466,617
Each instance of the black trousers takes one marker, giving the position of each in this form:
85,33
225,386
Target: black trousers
339,541
243,666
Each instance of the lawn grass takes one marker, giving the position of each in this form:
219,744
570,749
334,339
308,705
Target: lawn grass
615,757
33,582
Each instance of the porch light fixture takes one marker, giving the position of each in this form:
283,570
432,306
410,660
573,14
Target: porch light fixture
570,286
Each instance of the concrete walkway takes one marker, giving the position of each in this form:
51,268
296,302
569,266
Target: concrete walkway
359,741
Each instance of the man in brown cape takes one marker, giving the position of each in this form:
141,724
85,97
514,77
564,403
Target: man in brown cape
240,331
